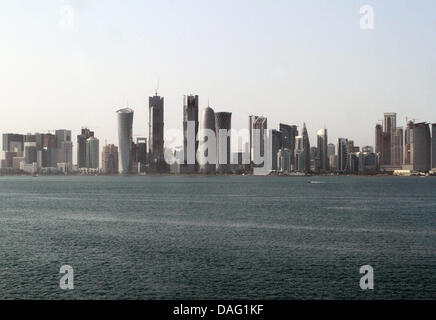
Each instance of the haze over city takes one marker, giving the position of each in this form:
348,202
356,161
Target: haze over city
292,62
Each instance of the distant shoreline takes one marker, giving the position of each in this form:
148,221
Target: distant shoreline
217,175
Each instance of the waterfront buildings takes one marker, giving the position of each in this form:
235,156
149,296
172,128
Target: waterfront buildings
306,150
156,157
284,160
110,159
223,124
257,126
343,165
207,165
125,139
417,147
322,150
276,146
433,146
190,143
397,147
92,153
81,147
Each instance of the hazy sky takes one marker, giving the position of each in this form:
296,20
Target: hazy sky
292,61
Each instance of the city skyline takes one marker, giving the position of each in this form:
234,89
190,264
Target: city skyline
327,74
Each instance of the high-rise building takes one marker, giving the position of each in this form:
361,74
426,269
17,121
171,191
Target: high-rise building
141,153
306,147
110,159
397,147
284,160
81,146
190,115
417,155
276,146
433,146
92,153
223,124
421,147
30,152
300,154
286,135
13,143
65,154
390,121
331,149
322,150
207,123
259,123
62,135
156,157
125,139
343,156
378,139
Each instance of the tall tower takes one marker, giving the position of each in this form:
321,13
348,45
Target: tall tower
397,147
81,146
260,123
322,150
390,121
343,163
433,146
110,159
207,122
306,147
125,140
421,147
156,133
92,153
223,121
378,138
190,114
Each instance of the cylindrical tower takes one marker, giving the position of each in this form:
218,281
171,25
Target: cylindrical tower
223,120
125,123
207,122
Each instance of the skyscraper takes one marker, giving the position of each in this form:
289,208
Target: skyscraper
156,134
223,123
322,150
110,159
378,139
421,147
276,146
300,154
331,149
62,135
207,122
141,153
257,140
190,115
125,140
433,146
306,148
417,155
81,146
397,147
286,135
92,153
343,156
13,143
390,121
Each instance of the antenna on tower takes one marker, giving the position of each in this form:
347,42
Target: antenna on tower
157,85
